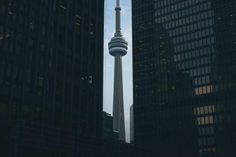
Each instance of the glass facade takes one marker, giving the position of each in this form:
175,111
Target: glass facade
51,71
184,75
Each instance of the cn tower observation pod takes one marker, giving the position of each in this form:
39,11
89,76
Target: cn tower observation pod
118,46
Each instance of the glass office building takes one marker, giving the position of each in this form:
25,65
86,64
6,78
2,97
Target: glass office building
51,74
197,40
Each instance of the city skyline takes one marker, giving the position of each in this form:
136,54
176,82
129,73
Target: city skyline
118,78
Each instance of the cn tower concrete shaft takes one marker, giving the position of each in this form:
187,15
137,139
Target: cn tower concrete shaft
118,103
118,47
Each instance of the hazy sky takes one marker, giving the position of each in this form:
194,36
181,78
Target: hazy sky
109,31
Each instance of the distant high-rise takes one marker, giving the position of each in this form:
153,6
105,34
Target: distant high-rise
131,123
51,74
108,132
118,48
184,65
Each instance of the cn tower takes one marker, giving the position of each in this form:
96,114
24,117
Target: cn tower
118,47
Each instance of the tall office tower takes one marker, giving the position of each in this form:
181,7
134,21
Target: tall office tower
108,133
51,74
118,48
131,123
184,76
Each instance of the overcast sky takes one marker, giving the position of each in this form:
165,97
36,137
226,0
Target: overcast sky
109,30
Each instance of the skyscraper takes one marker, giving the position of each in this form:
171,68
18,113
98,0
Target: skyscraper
51,74
131,123
184,76
118,48
108,132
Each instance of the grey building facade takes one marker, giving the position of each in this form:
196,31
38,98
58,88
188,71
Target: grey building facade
131,123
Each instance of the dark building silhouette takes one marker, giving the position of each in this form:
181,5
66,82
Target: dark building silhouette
51,76
108,132
184,76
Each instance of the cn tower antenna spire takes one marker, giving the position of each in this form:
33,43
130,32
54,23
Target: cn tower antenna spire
118,23
117,3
